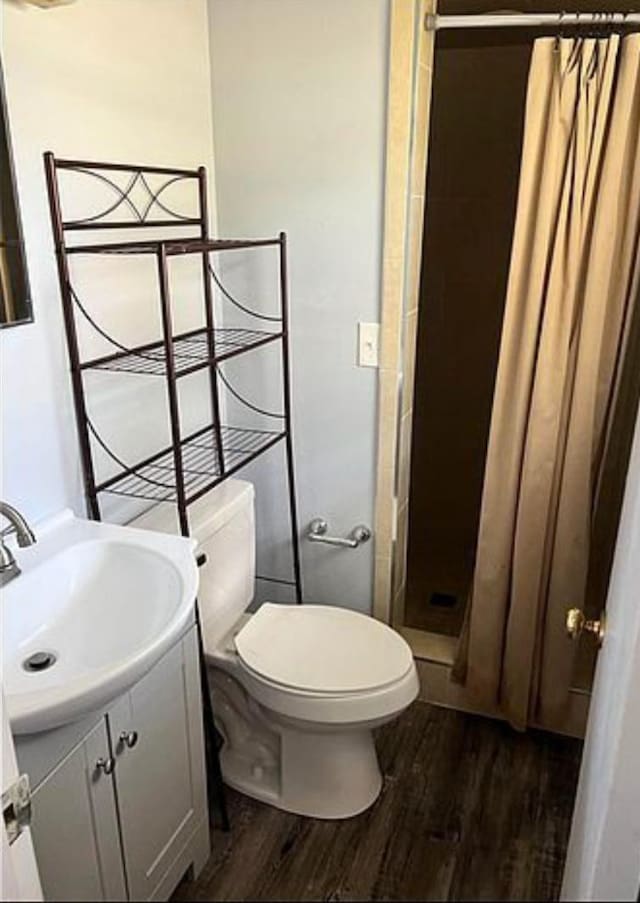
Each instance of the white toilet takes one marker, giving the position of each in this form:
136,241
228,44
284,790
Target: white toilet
296,689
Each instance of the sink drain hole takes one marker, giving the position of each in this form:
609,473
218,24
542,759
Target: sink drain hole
39,661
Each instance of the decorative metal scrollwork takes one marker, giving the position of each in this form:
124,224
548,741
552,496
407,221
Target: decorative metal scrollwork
139,209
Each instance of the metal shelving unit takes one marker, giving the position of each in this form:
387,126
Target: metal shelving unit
195,463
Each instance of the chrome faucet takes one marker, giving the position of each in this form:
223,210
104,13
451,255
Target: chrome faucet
24,535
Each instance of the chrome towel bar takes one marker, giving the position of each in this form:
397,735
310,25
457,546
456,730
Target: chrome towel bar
317,532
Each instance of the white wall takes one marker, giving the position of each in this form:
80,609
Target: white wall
125,80
299,118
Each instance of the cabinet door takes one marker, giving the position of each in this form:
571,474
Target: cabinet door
156,732
75,826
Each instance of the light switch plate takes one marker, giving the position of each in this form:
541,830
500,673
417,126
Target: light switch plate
368,344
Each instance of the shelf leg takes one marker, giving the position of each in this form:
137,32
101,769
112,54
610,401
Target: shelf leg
286,378
172,390
215,785
64,277
213,739
210,320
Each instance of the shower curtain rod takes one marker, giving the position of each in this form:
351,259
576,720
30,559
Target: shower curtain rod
530,20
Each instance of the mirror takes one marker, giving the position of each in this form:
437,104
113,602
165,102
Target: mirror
15,300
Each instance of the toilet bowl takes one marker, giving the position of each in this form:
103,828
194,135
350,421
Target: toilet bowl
297,691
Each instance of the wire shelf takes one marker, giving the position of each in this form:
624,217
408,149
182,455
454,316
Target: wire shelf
190,352
156,479
171,247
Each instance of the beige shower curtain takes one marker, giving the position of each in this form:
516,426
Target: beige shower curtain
571,287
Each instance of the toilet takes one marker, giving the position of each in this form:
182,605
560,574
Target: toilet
297,690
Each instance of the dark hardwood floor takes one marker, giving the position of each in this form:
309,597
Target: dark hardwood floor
470,810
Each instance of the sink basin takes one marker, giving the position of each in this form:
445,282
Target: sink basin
95,607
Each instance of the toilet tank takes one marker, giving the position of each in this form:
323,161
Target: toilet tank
223,524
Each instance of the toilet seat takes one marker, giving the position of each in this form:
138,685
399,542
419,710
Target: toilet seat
322,650
327,665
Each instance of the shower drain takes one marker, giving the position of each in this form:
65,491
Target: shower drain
39,661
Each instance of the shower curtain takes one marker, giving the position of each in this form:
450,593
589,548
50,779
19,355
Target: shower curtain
572,284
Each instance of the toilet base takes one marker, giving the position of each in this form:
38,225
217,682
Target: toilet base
329,775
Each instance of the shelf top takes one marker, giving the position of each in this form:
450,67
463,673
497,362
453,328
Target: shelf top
173,246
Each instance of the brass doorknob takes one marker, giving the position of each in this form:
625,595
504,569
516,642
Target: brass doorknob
578,623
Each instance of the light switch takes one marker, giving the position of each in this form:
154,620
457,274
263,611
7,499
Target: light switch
368,344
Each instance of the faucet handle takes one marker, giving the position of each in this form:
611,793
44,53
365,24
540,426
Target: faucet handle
8,565
6,556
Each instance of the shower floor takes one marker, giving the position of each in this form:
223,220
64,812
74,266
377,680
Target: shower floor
469,810
431,581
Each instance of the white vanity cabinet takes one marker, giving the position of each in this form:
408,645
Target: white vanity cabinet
119,801
75,826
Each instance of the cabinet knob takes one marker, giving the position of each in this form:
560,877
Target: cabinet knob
129,738
106,765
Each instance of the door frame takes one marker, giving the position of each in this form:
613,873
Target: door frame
410,70
20,877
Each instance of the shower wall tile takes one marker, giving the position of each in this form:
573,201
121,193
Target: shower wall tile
400,550
426,42
391,327
386,466
414,252
404,458
402,53
381,586
409,360
398,126
397,609
422,113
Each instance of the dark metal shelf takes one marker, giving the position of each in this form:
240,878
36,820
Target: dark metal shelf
155,479
171,247
137,197
190,352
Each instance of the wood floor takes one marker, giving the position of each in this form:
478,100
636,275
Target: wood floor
469,810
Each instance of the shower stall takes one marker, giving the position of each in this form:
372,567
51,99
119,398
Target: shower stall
469,445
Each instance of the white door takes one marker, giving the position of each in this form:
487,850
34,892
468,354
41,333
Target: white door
20,879
603,859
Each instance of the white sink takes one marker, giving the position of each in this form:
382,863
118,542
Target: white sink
106,601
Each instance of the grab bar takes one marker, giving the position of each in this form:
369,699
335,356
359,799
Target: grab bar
317,532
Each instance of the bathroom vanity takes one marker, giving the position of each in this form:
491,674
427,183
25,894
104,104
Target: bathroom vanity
119,799
102,685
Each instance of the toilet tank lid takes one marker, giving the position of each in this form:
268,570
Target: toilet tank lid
206,516
322,649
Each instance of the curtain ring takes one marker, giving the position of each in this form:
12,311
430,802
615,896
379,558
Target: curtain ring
559,32
594,62
623,19
574,55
